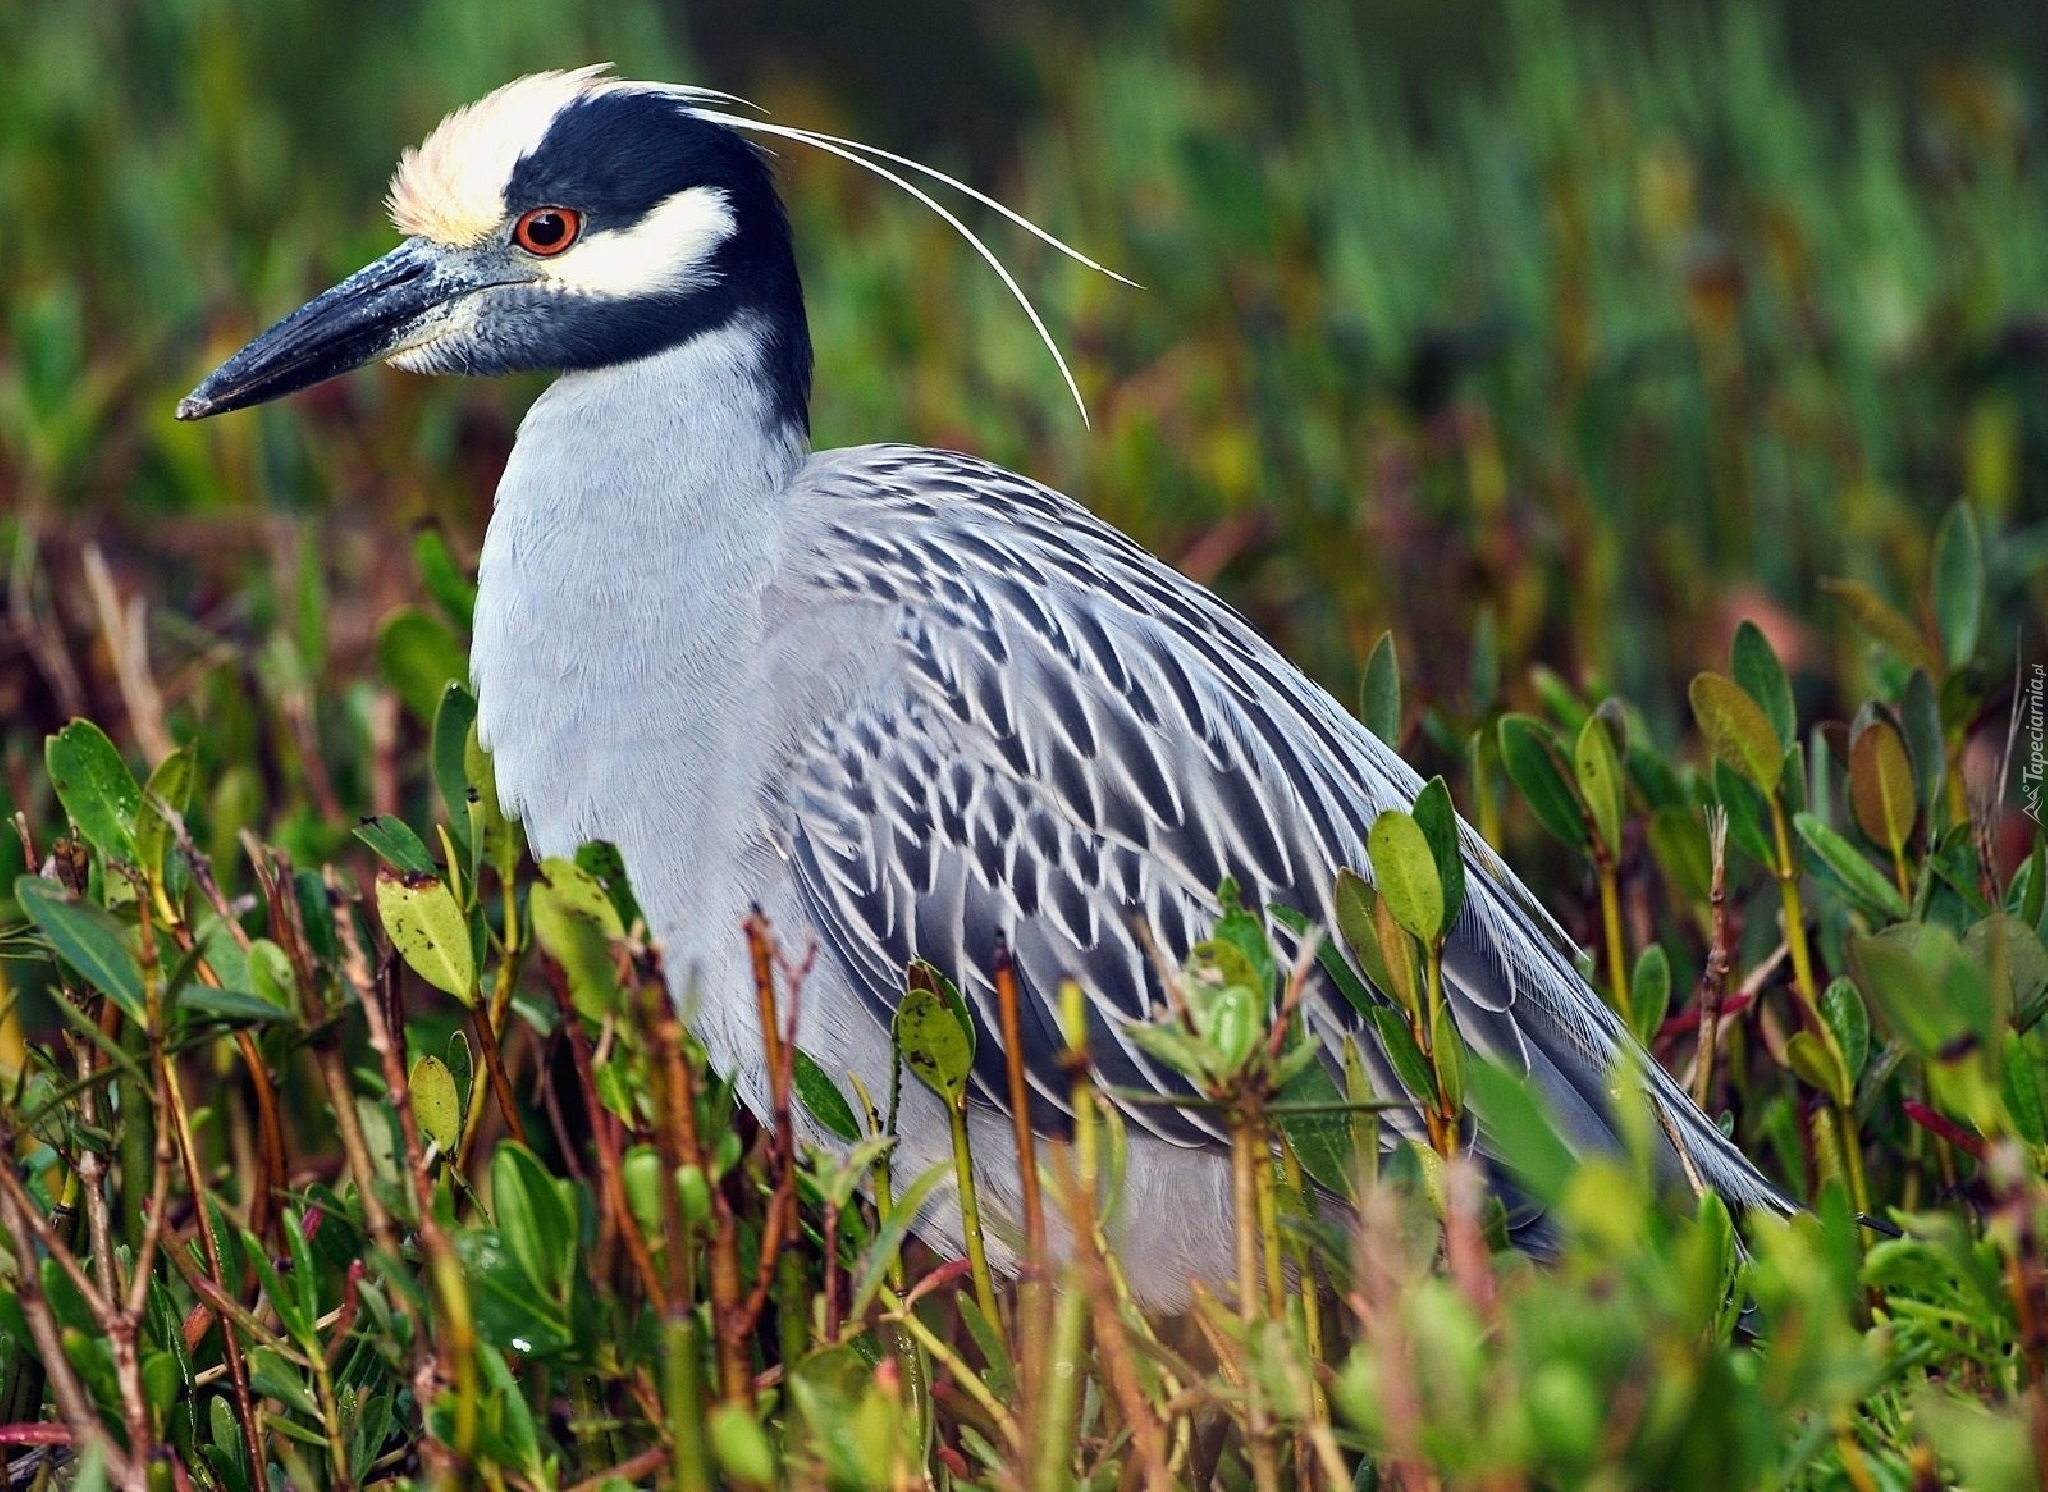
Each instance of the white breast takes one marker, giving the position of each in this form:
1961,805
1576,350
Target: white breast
618,604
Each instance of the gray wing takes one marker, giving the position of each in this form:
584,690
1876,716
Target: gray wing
1079,746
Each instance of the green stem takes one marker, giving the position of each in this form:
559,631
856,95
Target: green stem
970,1212
1617,953
1269,1239
1433,986
1246,1131
1787,871
683,1395
1852,1157
1310,1302
1059,1399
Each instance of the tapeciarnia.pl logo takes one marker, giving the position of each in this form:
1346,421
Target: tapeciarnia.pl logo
2031,770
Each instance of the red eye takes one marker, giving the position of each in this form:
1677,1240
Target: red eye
546,231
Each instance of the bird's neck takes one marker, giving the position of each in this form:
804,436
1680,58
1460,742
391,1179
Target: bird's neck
619,592
692,433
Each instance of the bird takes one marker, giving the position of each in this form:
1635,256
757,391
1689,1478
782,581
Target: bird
906,702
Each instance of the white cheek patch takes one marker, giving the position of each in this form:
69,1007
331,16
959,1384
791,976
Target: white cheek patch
669,249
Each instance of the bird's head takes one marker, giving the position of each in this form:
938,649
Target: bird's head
569,220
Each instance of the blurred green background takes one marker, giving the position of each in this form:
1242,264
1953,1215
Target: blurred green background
1537,333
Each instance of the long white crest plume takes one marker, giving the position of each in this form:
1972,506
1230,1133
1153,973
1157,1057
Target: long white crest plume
874,159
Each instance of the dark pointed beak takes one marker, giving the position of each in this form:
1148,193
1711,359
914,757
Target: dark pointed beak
378,311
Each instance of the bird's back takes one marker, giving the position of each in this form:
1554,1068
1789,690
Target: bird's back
1062,742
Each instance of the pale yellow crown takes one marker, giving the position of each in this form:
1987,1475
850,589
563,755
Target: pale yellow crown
451,187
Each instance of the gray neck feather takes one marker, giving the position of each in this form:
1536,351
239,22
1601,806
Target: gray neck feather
618,601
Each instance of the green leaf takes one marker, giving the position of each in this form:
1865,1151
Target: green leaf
1737,730
1242,929
1170,1043
429,931
1355,904
1678,841
1597,767
510,1313
1379,694
436,1103
1958,584
889,1237
2023,1084
601,859
1482,670
1438,821
1322,1142
501,838
1558,697
87,939
419,658
1882,621
453,720
1920,719
1864,883
1447,1055
270,976
1762,678
1533,764
1882,793
170,786
1650,991
822,1099
577,924
272,1376
1841,1006
1924,986
305,1280
1748,814
1818,1065
452,590
396,845
1400,960
2013,958
234,1006
1398,1042
95,787
1521,1130
538,1226
1404,870
988,1339
642,1175
934,1035
742,1448
1230,1026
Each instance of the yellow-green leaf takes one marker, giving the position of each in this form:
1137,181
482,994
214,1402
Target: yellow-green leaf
427,928
1598,769
577,924
1737,730
436,1103
1881,785
1405,872
935,1043
1881,620
1818,1065
170,786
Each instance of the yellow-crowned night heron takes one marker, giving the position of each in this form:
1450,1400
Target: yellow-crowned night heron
897,696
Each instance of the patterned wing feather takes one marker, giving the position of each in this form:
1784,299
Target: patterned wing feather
1076,746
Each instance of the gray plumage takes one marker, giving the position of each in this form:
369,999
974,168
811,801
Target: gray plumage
908,702
902,700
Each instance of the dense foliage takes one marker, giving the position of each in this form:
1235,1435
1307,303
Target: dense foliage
348,1146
